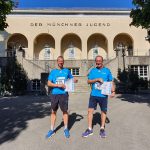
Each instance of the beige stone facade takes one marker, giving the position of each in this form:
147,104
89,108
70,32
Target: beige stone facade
78,35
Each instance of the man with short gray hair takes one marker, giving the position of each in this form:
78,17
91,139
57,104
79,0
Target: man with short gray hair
96,77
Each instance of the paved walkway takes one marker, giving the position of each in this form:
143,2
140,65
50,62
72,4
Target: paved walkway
24,121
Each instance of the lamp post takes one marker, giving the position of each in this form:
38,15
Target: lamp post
121,48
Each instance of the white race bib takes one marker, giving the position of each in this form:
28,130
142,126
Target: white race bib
60,80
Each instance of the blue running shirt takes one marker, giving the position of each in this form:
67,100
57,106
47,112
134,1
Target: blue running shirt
95,73
59,76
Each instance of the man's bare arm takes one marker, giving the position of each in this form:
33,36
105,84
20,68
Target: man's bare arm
95,80
50,84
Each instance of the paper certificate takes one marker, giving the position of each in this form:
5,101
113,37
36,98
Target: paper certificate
106,88
69,85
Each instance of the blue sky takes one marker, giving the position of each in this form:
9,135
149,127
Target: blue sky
125,4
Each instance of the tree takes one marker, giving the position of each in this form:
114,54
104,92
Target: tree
14,78
141,14
6,6
130,81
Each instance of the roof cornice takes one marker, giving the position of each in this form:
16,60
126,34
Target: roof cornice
69,12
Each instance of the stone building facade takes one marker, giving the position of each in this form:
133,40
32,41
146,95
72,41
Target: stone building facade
79,36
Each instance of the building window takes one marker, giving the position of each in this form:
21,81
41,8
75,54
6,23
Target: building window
141,70
130,50
71,54
47,52
95,51
10,53
75,71
36,85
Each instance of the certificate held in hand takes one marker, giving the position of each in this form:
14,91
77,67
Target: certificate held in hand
69,85
106,88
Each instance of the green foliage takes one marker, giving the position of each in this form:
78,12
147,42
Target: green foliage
141,13
14,78
129,81
6,7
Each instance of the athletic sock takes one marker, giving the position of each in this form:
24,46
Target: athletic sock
90,128
66,127
52,128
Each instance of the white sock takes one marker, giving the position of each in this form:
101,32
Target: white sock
102,128
52,128
90,128
66,127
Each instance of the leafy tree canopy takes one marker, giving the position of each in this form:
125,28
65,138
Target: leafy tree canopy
6,7
141,14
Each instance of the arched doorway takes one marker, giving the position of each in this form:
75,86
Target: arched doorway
44,47
16,43
71,46
97,45
126,40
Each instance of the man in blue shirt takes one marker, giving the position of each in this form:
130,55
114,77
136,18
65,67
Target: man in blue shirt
96,77
59,97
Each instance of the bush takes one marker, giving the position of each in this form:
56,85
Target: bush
129,81
14,78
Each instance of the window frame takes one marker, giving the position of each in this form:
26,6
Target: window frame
75,71
141,70
36,85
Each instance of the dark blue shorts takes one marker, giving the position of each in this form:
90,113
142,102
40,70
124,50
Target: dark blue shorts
102,101
59,100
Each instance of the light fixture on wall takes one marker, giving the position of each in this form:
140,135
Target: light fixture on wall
46,46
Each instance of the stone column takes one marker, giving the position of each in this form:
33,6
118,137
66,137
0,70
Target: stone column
84,58
111,53
58,48
84,50
30,51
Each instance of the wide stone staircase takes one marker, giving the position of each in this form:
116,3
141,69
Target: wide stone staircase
82,85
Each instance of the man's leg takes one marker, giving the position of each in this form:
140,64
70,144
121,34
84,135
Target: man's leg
65,118
102,129
91,107
103,119
63,102
66,130
53,119
103,104
54,107
90,118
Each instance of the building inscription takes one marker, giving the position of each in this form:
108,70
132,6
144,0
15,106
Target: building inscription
62,24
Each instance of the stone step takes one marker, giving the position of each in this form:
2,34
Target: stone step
82,88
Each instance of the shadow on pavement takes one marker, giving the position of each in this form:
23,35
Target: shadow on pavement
74,117
132,98
97,119
15,112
